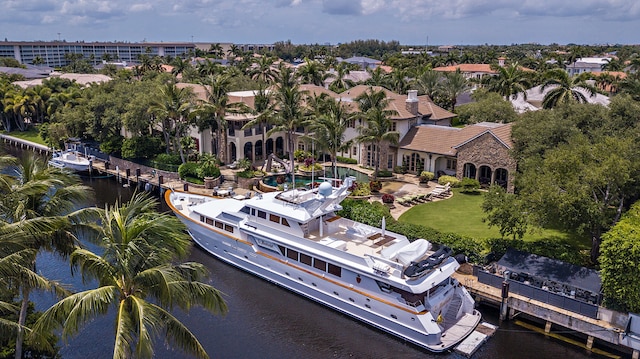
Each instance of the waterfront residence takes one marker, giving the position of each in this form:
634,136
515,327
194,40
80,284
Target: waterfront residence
427,142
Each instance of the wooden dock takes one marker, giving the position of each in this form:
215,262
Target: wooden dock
607,328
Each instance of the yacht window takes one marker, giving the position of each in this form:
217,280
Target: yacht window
274,218
245,210
228,228
335,270
253,211
320,264
282,249
305,259
285,222
201,218
262,214
210,221
219,225
292,254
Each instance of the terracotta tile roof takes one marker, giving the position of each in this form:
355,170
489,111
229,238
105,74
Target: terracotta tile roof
444,140
467,68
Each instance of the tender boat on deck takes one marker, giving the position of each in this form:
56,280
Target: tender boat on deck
296,240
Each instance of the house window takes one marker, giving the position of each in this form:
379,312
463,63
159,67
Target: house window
389,161
394,126
301,146
452,164
354,151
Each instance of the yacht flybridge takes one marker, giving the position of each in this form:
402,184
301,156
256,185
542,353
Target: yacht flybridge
295,239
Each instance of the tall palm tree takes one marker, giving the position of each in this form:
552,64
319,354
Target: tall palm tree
373,108
565,88
378,77
454,85
341,82
509,81
312,72
428,82
264,107
211,112
140,278
262,70
172,108
291,111
328,129
32,191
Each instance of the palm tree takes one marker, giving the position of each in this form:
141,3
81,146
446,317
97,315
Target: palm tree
262,70
35,193
328,129
378,77
509,82
565,88
631,85
291,113
264,107
312,72
172,108
429,82
454,85
139,277
398,81
341,82
373,108
211,112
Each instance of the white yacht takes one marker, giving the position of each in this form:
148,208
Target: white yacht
295,239
71,160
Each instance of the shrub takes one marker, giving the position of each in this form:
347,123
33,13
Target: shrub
469,185
400,170
360,189
426,176
169,159
208,166
442,180
347,160
301,155
250,173
385,174
388,198
375,186
189,169
141,147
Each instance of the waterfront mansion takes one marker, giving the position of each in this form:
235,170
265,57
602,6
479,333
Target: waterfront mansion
427,140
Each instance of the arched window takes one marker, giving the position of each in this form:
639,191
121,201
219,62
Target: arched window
248,150
469,170
485,175
502,177
258,150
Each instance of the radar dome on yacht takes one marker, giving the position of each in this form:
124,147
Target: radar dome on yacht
325,189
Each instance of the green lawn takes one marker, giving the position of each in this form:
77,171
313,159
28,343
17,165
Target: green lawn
462,214
29,135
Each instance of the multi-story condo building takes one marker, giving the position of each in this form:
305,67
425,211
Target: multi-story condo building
52,53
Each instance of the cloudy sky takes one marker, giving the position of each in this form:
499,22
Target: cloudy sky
411,22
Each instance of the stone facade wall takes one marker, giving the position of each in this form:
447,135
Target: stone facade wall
385,150
486,150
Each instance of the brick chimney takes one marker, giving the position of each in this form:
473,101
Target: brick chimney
411,103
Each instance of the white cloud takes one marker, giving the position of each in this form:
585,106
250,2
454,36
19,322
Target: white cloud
140,7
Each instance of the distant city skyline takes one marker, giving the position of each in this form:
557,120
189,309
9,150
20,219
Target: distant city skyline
411,22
